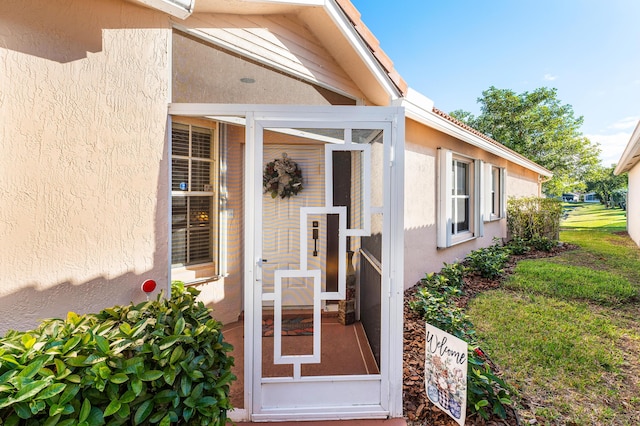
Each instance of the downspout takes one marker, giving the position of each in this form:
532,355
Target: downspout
179,8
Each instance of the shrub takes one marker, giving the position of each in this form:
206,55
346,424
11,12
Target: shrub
486,391
435,302
542,243
518,246
530,217
449,280
489,261
439,310
454,273
162,361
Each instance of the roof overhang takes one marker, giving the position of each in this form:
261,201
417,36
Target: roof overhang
352,51
335,23
181,9
420,109
631,154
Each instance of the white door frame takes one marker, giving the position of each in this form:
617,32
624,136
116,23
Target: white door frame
392,257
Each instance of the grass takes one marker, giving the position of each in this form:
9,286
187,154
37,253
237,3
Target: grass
593,216
569,281
564,330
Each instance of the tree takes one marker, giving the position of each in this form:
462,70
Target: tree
611,189
542,129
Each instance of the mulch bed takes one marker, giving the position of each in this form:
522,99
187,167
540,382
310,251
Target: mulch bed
418,410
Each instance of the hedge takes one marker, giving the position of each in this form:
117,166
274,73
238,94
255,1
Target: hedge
160,362
529,218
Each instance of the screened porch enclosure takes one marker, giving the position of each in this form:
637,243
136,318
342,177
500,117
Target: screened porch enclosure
313,326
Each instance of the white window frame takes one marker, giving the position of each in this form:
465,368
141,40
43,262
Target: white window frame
446,235
210,270
494,199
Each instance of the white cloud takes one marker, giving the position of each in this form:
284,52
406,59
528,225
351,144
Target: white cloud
549,77
625,123
611,146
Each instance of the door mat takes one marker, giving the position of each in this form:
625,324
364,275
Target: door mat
297,326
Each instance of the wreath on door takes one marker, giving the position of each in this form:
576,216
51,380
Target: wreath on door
282,177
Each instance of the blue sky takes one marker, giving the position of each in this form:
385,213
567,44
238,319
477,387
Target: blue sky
452,50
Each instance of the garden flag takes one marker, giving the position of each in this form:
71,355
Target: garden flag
445,372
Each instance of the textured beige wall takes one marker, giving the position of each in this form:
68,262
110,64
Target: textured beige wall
83,169
522,182
421,253
84,89
633,204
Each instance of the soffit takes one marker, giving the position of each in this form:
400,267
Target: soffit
631,155
244,7
337,25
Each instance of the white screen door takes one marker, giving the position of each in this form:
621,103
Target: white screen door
325,281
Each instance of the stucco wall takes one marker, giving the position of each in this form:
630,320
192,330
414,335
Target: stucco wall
633,204
83,169
421,252
522,182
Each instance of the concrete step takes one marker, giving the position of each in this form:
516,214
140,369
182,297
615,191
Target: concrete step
386,422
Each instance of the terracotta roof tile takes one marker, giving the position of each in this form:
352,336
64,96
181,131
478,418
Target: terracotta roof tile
476,132
387,64
374,45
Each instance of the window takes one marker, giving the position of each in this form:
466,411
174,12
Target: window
459,198
495,191
494,204
194,199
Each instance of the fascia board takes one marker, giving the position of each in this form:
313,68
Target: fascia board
292,2
631,154
178,8
347,29
418,112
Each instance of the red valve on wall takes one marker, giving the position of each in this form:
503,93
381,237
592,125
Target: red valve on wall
148,286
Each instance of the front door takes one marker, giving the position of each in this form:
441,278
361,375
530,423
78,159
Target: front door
324,226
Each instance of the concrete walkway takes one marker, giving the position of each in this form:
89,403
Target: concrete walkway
388,422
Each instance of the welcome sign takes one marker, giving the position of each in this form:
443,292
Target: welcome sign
445,372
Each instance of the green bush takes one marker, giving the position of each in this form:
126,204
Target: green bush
518,246
159,362
449,280
530,217
486,391
439,310
454,273
542,243
435,301
489,261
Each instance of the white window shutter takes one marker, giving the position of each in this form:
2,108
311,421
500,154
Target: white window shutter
478,196
503,193
487,189
445,186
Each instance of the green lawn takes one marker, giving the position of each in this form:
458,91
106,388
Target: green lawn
594,216
564,330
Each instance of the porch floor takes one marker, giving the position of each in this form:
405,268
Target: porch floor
346,351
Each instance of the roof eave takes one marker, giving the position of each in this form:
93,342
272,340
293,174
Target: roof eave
420,108
631,154
181,9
